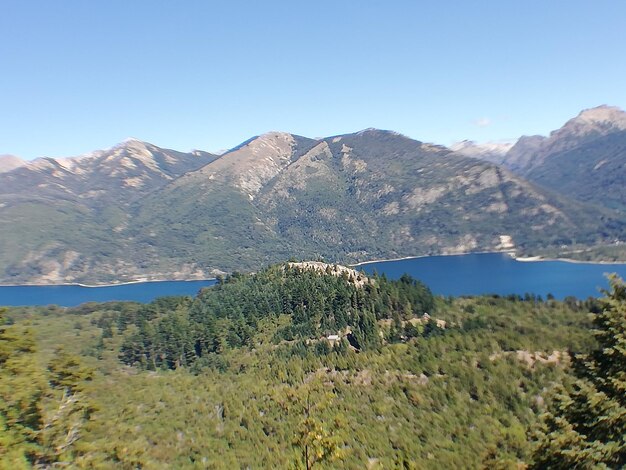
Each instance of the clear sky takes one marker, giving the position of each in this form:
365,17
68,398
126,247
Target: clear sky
79,75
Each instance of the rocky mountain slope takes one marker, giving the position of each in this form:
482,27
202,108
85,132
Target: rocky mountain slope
533,151
139,211
60,218
585,159
592,172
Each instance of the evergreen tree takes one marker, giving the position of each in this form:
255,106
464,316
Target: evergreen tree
42,412
22,386
395,334
67,410
319,441
585,426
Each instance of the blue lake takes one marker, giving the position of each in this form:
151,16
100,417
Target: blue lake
497,273
70,296
490,273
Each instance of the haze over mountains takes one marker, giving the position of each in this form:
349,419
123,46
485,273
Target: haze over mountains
139,211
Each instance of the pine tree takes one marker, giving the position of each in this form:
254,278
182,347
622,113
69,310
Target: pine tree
67,410
42,411
22,386
585,426
319,441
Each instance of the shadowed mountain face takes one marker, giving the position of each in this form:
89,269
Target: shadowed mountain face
592,172
585,159
531,152
140,211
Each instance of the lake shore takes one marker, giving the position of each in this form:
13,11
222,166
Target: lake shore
115,284
384,260
521,259
450,274
531,259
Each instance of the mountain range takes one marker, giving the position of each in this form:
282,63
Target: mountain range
585,159
140,211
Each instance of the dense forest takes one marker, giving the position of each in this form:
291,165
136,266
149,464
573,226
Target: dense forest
308,366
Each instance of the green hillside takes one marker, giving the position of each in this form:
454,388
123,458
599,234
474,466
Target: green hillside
374,194
244,376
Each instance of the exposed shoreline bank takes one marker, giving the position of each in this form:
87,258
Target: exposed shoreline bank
531,259
521,259
403,258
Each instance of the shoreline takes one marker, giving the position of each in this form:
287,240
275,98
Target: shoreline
531,259
511,253
116,284
384,260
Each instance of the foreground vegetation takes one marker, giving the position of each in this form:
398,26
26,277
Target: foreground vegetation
301,368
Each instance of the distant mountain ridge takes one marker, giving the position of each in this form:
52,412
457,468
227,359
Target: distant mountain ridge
594,171
140,211
532,151
132,167
585,159
493,152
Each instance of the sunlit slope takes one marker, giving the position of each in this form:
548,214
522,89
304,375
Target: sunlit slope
355,197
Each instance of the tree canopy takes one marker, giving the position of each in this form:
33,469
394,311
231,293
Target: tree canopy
585,426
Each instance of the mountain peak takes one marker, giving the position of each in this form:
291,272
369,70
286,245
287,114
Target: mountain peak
491,151
131,139
10,162
603,113
374,130
601,119
131,143
275,135
267,138
532,151
275,140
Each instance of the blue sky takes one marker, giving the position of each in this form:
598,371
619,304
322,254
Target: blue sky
79,75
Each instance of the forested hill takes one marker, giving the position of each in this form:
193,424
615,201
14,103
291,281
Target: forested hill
321,301
301,366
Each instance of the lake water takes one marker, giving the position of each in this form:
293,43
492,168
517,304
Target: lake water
498,273
490,273
70,296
